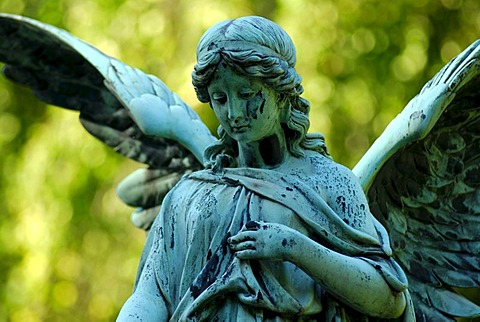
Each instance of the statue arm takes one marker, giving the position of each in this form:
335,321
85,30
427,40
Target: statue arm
146,304
352,280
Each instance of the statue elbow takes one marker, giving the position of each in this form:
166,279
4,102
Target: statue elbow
396,306
143,307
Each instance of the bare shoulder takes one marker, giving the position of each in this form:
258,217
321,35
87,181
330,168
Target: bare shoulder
341,190
319,165
333,180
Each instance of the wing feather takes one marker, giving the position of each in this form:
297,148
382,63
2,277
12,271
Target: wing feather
425,188
64,71
132,112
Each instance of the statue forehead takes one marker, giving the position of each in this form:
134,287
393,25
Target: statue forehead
225,73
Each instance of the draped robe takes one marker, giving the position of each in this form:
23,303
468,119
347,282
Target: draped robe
199,278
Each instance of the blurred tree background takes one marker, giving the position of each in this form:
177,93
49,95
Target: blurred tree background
68,251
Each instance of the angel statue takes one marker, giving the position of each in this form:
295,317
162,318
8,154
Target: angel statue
261,224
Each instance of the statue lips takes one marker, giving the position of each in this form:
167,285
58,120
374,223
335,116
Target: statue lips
242,128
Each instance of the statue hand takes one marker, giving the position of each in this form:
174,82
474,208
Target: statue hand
261,240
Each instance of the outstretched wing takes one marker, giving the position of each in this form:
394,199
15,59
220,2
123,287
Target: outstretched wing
422,178
132,112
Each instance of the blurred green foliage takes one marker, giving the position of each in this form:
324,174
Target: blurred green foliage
67,249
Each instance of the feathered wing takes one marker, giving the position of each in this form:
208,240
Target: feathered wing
422,178
130,111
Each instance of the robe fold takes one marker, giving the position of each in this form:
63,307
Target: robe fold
199,277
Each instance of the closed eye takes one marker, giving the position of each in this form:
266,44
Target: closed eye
248,94
219,98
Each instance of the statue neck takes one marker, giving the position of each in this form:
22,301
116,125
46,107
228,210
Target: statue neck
270,152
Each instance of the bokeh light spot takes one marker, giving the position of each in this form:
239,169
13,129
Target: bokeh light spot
65,294
9,127
449,50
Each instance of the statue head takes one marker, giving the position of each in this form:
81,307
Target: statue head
253,46
256,47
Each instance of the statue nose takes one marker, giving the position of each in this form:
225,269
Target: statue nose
236,112
237,120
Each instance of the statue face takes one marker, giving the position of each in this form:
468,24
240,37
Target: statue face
246,108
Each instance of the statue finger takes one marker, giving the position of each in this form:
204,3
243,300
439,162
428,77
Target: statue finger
243,246
241,237
247,254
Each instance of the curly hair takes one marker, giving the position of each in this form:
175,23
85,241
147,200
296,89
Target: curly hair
256,47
